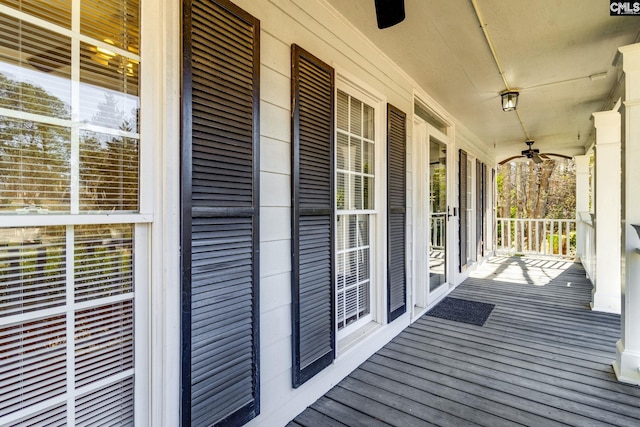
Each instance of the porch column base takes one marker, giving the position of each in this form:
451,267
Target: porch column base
627,365
606,302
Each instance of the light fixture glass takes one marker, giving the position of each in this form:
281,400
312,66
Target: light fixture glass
509,100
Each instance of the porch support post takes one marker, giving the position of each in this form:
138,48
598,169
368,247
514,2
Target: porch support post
582,201
606,291
627,363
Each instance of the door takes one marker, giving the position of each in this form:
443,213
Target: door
437,211
434,214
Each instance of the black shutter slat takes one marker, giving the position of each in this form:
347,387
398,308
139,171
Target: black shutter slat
220,236
396,205
462,198
312,218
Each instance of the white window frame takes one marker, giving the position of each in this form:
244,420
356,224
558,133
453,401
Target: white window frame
377,224
151,99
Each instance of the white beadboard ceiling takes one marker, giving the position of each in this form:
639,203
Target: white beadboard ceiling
548,50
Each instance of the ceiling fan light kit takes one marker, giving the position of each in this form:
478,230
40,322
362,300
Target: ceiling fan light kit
509,100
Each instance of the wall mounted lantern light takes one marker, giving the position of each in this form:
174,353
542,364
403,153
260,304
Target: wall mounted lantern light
509,100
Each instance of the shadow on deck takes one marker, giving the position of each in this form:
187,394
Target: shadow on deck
541,359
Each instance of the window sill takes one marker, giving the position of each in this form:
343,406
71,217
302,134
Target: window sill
351,341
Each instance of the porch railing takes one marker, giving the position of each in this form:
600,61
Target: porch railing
553,237
438,230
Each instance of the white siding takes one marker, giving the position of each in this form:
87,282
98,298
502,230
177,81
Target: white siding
320,30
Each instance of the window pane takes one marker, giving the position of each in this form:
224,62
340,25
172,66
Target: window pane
368,158
342,151
343,193
343,111
363,299
103,261
34,69
356,117
103,342
363,230
32,362
116,22
32,269
109,89
367,191
357,192
34,166
55,11
108,172
367,122
112,404
355,146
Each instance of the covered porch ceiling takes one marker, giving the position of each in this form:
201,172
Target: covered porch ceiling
560,56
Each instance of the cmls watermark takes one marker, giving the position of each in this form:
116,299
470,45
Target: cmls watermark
618,8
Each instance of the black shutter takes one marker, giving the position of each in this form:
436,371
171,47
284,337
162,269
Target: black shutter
396,205
312,216
462,197
480,184
220,170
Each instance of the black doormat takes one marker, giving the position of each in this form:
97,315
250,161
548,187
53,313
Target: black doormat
462,310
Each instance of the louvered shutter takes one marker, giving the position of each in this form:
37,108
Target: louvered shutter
462,197
312,249
396,199
220,214
480,174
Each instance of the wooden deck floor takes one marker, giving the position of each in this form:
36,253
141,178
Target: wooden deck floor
541,359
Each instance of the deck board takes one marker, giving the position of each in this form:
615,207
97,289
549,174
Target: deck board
543,358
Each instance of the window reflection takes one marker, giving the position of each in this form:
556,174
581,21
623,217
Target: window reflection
34,166
32,275
36,135
108,172
31,59
54,11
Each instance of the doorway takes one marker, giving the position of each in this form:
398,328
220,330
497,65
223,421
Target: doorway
437,214
434,215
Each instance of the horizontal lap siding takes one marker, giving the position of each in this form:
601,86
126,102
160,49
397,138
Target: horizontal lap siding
220,222
313,318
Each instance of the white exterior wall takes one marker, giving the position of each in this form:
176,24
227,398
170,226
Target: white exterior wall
317,28
322,34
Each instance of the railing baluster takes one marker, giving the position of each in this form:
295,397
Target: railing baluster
549,237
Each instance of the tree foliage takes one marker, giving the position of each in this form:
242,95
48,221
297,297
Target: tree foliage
536,191
35,156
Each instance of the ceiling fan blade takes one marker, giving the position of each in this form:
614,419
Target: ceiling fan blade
536,158
558,155
389,12
509,159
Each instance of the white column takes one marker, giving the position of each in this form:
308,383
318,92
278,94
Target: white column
606,291
627,363
582,201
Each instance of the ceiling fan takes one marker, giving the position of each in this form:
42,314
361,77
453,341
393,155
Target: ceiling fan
389,12
534,154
